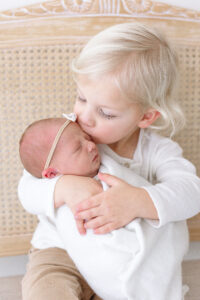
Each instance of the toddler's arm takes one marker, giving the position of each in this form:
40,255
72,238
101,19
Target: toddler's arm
37,195
71,189
176,196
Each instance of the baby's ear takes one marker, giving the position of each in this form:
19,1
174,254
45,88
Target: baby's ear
49,173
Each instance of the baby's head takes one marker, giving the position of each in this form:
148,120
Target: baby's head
142,65
75,153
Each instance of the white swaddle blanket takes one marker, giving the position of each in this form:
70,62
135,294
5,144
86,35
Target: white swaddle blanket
136,262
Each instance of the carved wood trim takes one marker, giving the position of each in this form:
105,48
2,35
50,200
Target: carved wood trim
124,8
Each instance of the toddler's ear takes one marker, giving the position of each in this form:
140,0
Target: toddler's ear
149,118
49,173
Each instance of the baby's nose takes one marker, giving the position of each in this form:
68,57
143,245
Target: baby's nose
91,146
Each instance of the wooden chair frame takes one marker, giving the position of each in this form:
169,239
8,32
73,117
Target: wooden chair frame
44,35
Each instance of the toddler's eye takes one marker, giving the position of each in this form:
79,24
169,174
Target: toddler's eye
81,99
105,115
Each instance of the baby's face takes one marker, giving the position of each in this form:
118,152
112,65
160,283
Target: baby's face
76,153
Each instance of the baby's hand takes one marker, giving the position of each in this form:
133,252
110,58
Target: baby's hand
116,207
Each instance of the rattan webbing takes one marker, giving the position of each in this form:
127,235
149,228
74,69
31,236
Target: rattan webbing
35,82
189,97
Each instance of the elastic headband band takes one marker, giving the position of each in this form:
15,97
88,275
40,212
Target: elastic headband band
55,142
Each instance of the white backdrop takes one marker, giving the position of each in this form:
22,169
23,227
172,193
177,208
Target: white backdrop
4,5
9,4
192,4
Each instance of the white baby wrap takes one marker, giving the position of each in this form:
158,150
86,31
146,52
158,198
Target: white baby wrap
137,262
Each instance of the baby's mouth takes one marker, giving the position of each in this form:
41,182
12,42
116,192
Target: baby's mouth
95,157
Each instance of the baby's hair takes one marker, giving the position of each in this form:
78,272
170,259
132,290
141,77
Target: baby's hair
35,144
143,66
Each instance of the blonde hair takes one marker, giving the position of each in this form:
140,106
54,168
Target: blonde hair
143,66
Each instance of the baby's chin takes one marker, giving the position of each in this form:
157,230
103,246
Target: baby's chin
96,165
93,173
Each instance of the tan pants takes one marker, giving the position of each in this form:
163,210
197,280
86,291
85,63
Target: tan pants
51,275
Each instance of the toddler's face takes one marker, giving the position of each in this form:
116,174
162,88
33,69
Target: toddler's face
76,153
104,112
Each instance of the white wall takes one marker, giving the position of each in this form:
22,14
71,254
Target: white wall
8,4
10,266
13,265
191,4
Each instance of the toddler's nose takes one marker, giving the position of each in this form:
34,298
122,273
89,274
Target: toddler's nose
86,122
86,119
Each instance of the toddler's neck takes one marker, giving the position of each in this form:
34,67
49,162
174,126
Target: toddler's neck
127,146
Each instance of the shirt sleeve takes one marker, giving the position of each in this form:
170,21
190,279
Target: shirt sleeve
176,195
36,195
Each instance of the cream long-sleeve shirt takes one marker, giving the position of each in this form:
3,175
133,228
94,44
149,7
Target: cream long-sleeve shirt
176,194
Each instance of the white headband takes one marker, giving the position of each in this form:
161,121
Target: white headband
70,118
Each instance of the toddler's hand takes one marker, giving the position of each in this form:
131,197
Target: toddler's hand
116,207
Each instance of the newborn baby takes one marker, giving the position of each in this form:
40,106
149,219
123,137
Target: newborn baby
73,151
